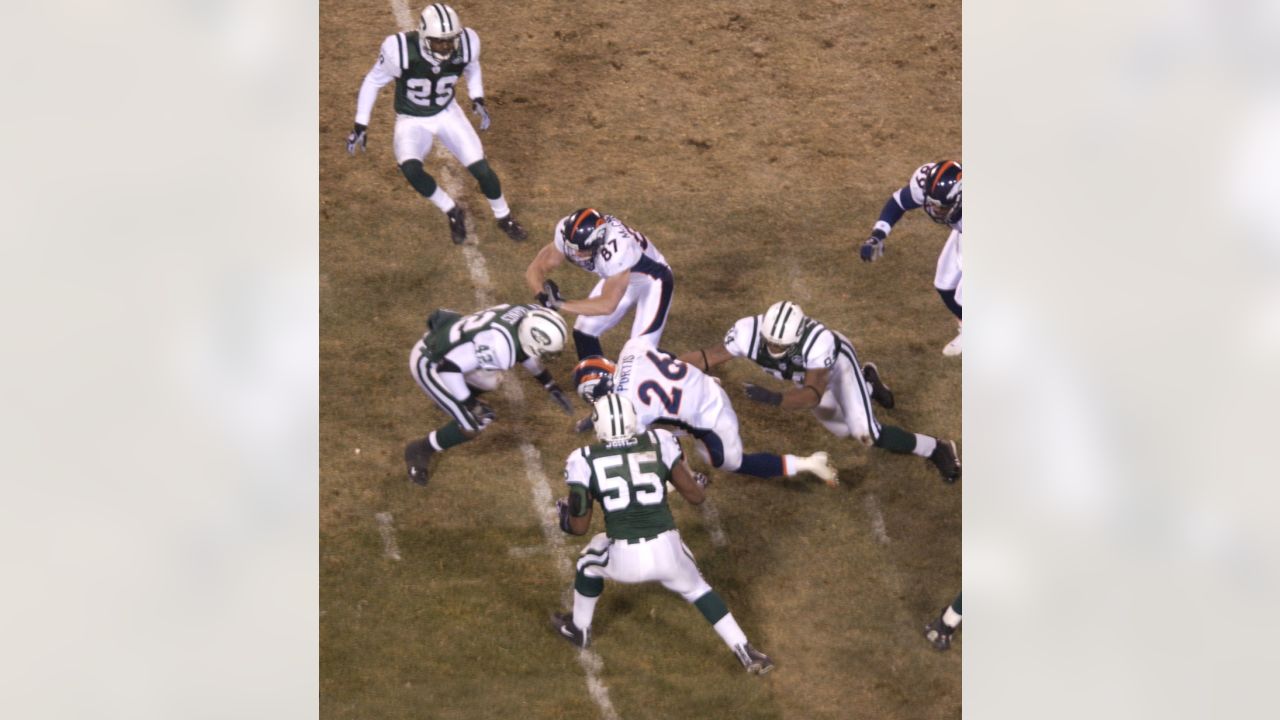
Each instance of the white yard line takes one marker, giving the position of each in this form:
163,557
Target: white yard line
877,519
388,532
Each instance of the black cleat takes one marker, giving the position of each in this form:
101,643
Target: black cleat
512,228
879,391
939,634
416,456
458,224
563,624
753,661
945,459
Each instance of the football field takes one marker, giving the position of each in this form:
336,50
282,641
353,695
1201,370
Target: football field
755,145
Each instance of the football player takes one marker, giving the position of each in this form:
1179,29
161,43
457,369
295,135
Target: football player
426,65
632,273
936,188
939,632
627,473
828,380
664,390
462,356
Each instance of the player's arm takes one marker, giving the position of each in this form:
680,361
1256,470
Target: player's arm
808,395
386,69
897,204
547,259
707,358
474,76
575,509
544,378
682,478
615,286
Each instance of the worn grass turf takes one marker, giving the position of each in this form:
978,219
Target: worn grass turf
755,147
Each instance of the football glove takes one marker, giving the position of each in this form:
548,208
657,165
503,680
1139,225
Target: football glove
550,297
562,508
762,395
561,399
872,249
477,106
483,413
359,138
702,480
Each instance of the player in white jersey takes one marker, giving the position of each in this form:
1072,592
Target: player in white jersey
828,380
666,391
462,356
633,274
937,188
426,65
627,473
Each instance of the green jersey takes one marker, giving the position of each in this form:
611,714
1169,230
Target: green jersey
424,87
493,335
629,479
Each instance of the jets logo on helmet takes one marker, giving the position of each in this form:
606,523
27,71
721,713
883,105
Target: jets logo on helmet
542,333
783,323
583,232
614,418
438,32
593,377
942,192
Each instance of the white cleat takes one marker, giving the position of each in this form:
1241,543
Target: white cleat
953,348
819,464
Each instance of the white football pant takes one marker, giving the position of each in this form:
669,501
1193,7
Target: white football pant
413,136
651,298
664,559
845,408
950,275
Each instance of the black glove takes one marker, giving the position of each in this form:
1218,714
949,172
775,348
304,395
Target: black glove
477,106
561,399
550,297
762,395
483,413
562,507
872,249
359,138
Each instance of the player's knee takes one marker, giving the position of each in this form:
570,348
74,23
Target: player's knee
418,177
487,178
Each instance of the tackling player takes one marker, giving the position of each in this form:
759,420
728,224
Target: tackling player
627,473
828,380
426,65
632,273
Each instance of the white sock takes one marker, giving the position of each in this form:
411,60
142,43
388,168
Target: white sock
435,444
500,209
441,199
584,608
728,630
790,465
924,445
951,618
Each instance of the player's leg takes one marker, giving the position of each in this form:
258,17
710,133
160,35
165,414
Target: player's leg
653,302
468,416
939,632
946,281
723,449
412,141
588,584
587,329
460,137
679,574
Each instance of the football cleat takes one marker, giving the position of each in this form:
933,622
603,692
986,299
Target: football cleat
819,464
939,634
753,661
953,348
512,228
564,627
458,224
879,391
417,455
945,459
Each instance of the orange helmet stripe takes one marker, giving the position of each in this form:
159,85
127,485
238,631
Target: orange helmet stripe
582,216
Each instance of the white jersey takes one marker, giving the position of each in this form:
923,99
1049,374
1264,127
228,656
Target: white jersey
623,250
660,387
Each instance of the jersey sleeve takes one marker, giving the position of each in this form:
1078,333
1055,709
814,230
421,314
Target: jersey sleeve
821,350
739,339
576,470
669,450
908,197
915,187
386,69
471,51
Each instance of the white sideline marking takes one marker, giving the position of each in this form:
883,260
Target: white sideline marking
388,532
591,663
877,519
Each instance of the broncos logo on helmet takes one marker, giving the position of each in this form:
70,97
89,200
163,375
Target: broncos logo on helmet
593,378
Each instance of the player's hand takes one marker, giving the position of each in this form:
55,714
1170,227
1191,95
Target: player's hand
872,249
583,425
561,399
359,138
702,480
477,106
762,395
550,297
562,509
483,413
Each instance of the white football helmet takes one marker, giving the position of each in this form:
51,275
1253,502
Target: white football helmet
542,333
781,328
438,32
614,418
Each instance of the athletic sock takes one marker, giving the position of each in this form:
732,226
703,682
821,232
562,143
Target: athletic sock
950,618
584,609
728,630
442,200
790,465
500,209
924,445
764,465
446,437
896,440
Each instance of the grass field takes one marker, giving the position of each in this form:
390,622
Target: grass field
755,146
